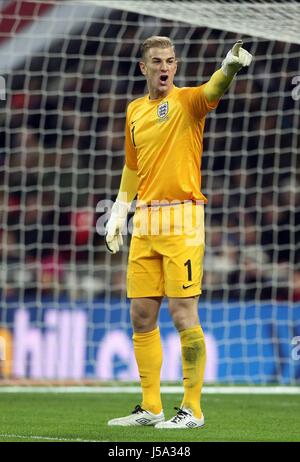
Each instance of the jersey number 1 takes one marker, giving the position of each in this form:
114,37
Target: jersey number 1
132,131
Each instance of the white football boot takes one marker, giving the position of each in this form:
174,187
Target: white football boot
138,418
183,419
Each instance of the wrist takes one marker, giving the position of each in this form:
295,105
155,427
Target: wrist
229,72
120,208
230,69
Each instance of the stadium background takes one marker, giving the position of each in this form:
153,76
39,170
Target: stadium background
70,69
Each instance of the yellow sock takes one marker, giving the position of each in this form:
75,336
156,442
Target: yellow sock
193,365
148,354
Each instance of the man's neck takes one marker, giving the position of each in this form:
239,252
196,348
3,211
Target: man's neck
156,95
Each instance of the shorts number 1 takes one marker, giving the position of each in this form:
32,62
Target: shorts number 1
188,263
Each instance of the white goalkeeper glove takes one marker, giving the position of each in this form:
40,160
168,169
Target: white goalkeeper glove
115,225
236,58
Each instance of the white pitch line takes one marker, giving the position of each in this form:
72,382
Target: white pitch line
232,390
35,437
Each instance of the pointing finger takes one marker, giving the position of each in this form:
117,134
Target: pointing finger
236,48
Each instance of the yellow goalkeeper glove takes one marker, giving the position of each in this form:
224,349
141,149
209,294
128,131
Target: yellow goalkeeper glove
236,58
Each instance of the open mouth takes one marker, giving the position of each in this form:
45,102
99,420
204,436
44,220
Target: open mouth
163,79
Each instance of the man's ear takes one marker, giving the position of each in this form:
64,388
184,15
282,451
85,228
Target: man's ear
143,67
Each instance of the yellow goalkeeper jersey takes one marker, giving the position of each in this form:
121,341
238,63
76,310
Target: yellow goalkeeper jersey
164,142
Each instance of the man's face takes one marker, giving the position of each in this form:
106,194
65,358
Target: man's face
159,67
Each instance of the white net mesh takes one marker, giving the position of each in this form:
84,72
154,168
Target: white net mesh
267,19
70,71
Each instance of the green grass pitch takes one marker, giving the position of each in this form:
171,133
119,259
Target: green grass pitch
82,417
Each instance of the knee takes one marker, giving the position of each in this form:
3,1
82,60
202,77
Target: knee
142,320
179,320
184,313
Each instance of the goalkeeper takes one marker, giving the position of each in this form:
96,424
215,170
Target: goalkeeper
163,142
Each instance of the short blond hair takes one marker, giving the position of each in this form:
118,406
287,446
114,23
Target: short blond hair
156,41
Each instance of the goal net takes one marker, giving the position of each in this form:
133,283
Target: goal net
68,70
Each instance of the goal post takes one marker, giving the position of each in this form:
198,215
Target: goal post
68,71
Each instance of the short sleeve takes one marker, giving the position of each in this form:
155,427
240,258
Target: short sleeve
130,150
198,103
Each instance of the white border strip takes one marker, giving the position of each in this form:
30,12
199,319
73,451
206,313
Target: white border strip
230,390
48,438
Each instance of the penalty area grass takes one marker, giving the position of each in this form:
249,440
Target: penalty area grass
83,418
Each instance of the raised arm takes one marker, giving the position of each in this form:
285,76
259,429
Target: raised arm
220,81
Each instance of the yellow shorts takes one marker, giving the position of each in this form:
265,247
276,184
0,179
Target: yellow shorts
166,251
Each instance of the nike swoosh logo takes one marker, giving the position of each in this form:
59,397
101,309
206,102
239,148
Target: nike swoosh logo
186,287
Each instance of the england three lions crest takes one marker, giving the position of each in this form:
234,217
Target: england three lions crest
163,110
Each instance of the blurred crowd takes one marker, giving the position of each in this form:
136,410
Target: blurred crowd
61,152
